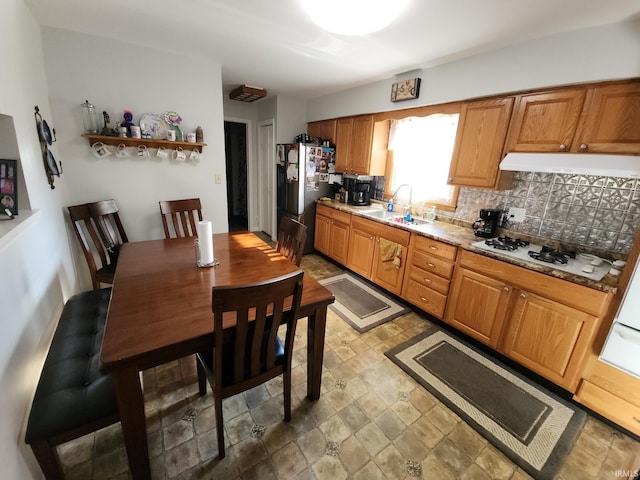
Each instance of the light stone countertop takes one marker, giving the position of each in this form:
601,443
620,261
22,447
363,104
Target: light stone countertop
464,238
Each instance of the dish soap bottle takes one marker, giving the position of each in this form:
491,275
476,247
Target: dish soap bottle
390,205
431,214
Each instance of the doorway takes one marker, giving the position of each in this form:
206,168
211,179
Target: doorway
235,147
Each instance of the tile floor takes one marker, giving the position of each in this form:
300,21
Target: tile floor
371,422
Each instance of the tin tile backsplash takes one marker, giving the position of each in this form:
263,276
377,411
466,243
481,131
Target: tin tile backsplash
586,210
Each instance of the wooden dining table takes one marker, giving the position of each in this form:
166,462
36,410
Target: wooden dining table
160,310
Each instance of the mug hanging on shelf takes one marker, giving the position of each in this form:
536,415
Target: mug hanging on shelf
179,154
143,152
100,150
195,155
121,151
162,153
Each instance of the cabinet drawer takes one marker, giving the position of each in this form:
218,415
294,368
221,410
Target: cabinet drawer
434,247
614,380
333,214
616,409
433,264
425,298
429,280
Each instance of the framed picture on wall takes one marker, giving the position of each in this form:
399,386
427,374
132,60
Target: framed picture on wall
8,186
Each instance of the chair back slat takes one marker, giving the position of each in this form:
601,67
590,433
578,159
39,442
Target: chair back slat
291,238
259,312
106,215
182,214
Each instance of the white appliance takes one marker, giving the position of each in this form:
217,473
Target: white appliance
626,166
622,348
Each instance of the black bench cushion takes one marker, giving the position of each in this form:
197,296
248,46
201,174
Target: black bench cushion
72,392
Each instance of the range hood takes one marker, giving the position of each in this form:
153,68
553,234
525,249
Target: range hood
625,166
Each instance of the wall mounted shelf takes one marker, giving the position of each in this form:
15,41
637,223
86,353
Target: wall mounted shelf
149,142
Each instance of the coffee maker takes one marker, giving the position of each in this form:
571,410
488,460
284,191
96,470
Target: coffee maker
487,224
358,189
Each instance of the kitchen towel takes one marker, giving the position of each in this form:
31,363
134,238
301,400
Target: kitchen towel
390,254
205,243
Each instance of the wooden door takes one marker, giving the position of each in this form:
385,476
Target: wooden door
344,134
610,121
322,234
361,144
361,251
390,279
545,122
478,306
477,153
549,338
339,242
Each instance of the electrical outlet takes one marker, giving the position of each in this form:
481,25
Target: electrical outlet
516,215
218,178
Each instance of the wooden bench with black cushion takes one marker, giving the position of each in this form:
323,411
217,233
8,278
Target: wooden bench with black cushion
73,397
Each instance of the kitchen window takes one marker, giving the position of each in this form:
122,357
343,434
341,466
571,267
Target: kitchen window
420,151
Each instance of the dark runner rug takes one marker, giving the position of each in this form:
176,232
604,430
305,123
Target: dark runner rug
529,424
360,304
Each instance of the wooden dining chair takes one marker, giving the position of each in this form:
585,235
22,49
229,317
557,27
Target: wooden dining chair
250,353
106,216
291,237
182,214
101,257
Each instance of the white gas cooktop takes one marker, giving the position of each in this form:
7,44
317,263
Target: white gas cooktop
583,265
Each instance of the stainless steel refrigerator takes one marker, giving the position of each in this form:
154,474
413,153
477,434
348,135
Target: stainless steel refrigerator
304,174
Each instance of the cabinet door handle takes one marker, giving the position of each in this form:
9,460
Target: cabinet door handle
506,289
583,146
522,295
563,147
433,247
424,299
431,265
427,280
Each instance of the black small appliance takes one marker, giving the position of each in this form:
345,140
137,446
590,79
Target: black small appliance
358,189
487,224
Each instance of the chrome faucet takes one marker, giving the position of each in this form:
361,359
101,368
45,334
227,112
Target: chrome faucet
395,196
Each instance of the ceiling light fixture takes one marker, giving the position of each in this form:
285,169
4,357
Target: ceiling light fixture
247,93
353,17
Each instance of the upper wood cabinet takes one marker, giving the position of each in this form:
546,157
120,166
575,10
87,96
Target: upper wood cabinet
361,145
482,129
610,122
545,122
598,119
325,129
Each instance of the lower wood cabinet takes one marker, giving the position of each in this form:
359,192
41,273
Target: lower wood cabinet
546,324
366,253
429,271
332,233
479,306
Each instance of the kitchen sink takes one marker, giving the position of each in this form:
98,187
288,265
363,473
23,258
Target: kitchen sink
393,217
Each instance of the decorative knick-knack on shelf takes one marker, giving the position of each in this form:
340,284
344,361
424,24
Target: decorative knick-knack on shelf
174,120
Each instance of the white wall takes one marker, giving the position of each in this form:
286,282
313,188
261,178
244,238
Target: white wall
36,268
115,76
594,54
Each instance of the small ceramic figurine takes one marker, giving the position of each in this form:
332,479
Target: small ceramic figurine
107,130
128,121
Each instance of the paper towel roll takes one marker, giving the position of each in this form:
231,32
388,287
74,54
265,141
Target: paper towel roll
205,243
